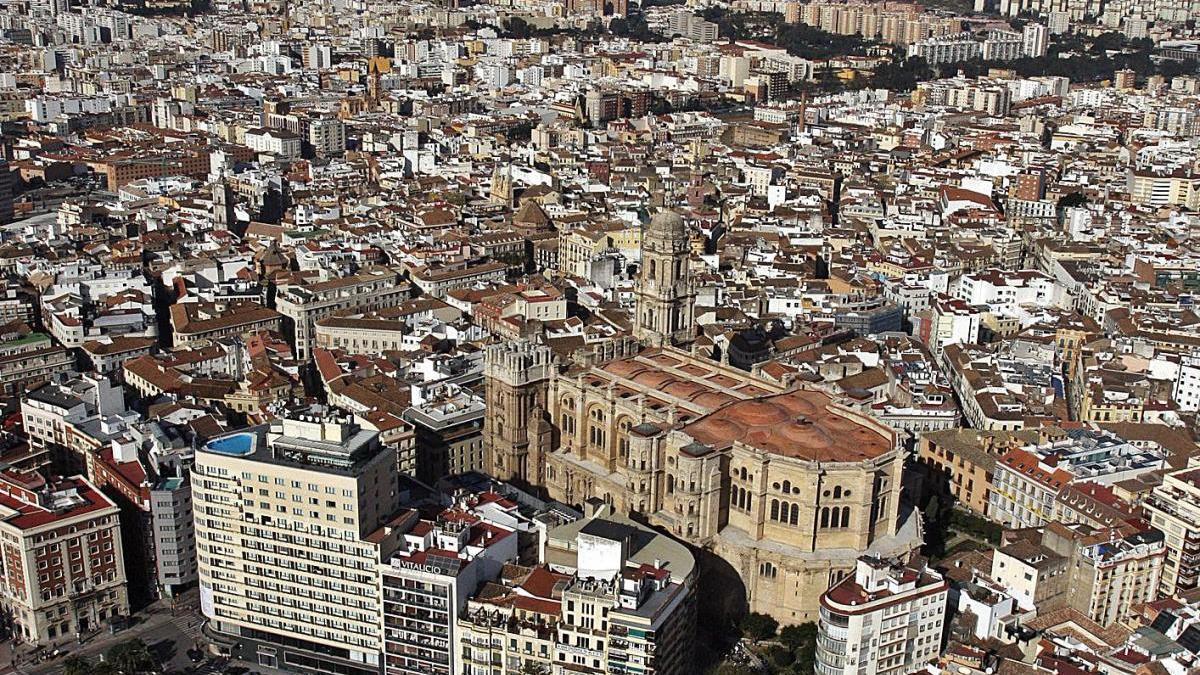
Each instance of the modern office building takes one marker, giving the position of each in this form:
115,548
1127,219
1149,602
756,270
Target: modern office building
290,529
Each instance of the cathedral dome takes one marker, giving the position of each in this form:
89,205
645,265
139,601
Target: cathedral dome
667,224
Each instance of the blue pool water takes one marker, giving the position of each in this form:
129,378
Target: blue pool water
237,444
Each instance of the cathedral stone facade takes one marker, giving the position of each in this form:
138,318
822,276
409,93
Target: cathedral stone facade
784,484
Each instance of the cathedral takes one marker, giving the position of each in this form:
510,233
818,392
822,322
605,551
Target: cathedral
783,484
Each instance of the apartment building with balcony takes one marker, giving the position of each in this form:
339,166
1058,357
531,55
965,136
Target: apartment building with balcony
1028,481
885,618
28,358
511,624
611,597
426,586
1174,509
291,523
1112,572
173,534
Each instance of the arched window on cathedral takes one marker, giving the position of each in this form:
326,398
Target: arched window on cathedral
623,427
837,492
774,509
787,486
597,429
795,519
845,516
824,516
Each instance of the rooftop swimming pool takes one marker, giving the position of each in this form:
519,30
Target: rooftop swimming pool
237,444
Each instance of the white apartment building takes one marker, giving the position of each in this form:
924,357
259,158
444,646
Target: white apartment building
426,585
884,619
69,417
289,534
1187,384
327,136
951,49
279,142
1174,509
1000,45
1004,291
952,321
1036,40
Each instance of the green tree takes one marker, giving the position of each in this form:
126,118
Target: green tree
75,665
272,207
780,657
733,669
796,636
804,640
1071,200
131,656
517,28
759,626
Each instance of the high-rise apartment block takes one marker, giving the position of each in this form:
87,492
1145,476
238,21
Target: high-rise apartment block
1174,509
173,533
290,531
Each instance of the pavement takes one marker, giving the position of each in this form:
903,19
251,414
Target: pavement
168,631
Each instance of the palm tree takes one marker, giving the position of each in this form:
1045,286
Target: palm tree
75,665
132,656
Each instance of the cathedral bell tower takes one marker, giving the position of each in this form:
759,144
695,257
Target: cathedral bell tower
665,294
516,434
